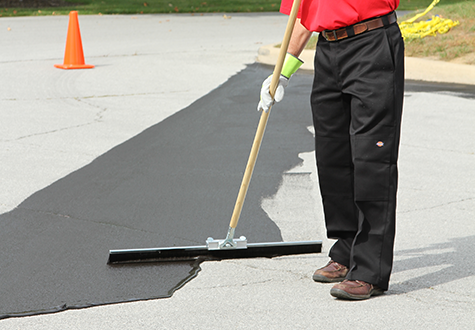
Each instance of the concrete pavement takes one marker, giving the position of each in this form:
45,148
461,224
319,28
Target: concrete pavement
149,67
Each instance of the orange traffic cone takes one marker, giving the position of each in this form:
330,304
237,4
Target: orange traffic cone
73,56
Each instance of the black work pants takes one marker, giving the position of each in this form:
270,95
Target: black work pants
357,101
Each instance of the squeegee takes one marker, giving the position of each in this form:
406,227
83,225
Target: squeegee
230,247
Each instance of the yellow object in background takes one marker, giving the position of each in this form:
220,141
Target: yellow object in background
411,30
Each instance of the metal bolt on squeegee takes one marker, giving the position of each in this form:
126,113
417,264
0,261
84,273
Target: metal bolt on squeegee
228,243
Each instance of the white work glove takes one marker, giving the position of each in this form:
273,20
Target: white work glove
290,66
266,99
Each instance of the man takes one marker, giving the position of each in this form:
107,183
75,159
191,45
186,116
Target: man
356,101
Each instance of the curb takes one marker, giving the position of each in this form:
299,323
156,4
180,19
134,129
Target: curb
416,68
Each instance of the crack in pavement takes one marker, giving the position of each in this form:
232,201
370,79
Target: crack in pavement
95,56
102,96
439,205
66,216
439,149
98,118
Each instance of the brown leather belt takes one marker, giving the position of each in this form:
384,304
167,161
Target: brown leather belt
352,30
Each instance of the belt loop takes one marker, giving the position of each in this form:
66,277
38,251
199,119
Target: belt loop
350,31
334,34
385,20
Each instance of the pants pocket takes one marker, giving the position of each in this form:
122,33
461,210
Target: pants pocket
372,167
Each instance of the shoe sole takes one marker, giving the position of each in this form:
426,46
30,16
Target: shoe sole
341,294
324,279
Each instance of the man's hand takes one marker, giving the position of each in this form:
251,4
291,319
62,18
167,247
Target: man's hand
266,99
290,66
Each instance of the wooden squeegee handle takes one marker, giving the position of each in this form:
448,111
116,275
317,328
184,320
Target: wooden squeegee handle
264,116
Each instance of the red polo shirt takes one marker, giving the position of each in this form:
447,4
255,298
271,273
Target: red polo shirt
319,15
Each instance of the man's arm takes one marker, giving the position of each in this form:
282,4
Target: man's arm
299,39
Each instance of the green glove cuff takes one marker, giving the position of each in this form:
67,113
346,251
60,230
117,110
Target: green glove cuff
291,65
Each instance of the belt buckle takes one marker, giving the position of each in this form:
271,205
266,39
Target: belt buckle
327,33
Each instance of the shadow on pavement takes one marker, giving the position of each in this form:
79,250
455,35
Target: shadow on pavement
452,259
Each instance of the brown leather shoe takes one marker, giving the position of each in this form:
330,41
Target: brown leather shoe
355,290
332,272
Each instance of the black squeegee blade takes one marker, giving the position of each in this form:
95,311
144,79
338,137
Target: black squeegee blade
253,250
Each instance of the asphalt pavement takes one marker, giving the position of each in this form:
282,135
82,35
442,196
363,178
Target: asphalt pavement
159,79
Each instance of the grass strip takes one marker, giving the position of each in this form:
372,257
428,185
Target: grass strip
9,8
458,44
111,7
